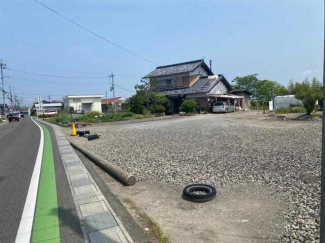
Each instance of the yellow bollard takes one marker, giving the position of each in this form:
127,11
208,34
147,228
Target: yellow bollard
73,132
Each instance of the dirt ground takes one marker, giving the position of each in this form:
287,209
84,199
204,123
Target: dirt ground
246,212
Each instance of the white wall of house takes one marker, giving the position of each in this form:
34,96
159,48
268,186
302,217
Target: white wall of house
84,103
220,88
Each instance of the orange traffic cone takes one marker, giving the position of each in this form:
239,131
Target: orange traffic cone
73,131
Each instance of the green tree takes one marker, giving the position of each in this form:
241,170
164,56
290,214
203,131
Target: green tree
161,99
71,109
189,106
281,90
246,83
309,93
265,90
292,87
146,90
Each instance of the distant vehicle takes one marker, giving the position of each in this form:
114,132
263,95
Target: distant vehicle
13,117
49,113
224,107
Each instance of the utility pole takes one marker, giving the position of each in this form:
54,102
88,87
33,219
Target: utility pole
106,102
112,89
2,65
10,99
16,102
49,98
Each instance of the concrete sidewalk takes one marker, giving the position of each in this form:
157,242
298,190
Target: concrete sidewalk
98,221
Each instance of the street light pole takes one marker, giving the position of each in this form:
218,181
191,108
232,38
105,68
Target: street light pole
322,203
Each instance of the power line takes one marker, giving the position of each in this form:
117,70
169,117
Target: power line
95,34
124,89
53,76
47,82
46,68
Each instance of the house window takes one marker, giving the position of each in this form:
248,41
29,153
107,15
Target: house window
166,82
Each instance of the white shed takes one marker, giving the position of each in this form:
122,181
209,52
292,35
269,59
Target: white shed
83,103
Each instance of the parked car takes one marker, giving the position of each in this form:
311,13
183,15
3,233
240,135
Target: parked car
13,117
223,107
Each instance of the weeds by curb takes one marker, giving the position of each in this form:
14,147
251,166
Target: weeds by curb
155,231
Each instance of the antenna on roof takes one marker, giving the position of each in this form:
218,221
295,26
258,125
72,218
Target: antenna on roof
210,64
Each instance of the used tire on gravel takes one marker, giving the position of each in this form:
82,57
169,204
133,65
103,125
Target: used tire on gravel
191,193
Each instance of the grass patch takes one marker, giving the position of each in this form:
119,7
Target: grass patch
320,115
94,117
290,110
155,230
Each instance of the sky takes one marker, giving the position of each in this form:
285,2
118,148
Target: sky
280,40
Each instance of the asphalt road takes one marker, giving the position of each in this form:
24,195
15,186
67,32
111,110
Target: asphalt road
19,142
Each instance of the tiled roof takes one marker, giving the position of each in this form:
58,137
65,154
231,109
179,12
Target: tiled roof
179,68
110,101
203,85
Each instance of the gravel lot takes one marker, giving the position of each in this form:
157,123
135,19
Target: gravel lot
225,150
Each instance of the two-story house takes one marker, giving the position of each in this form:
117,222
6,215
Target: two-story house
193,80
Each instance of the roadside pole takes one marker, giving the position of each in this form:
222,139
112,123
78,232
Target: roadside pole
112,89
322,205
106,102
10,99
3,90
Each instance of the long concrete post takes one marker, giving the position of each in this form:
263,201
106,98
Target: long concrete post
117,172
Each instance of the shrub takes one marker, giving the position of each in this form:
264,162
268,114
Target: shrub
1,120
93,114
127,114
295,105
147,116
62,117
290,110
160,108
189,106
138,116
152,109
71,109
137,109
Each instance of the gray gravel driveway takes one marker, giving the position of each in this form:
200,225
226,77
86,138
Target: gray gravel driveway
225,150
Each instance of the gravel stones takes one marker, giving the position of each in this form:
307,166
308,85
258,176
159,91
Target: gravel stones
217,150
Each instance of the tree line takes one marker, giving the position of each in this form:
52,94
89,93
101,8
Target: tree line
309,92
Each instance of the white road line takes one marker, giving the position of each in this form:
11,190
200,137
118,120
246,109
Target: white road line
27,219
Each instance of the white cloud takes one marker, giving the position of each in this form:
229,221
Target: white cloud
308,73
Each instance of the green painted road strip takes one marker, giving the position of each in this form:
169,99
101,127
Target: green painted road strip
46,222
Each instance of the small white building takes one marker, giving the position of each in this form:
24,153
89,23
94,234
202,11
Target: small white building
285,101
83,103
48,106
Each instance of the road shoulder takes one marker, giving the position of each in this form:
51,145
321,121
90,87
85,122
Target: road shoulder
98,220
70,228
